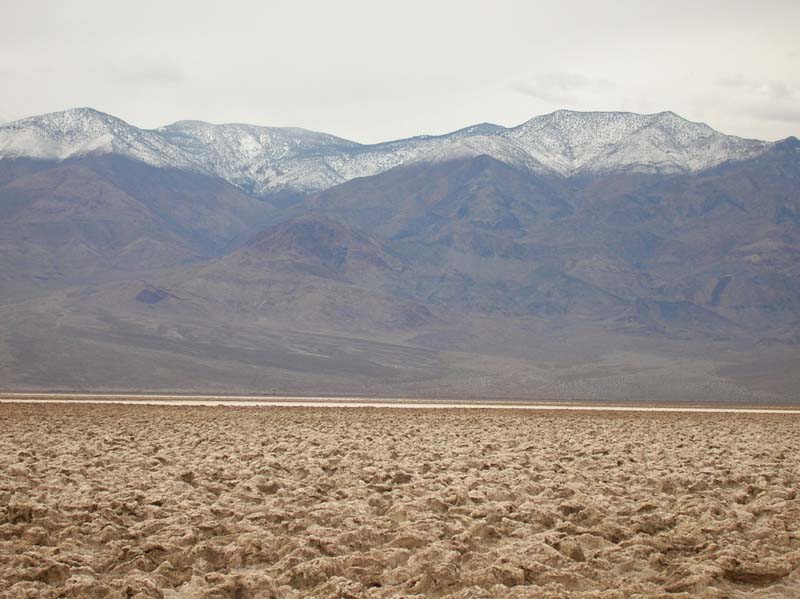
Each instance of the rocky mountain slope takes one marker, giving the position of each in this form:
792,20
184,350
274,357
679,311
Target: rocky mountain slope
704,250
106,216
579,253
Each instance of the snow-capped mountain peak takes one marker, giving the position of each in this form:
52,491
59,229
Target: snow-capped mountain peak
267,159
571,142
81,131
59,134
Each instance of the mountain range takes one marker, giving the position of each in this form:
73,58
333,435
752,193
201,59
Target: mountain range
264,160
593,255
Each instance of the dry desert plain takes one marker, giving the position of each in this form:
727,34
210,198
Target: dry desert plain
181,502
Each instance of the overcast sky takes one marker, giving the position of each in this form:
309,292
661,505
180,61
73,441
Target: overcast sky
374,70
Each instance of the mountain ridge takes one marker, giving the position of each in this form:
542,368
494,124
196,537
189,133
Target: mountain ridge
264,160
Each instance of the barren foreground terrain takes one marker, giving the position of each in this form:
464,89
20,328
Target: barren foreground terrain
179,502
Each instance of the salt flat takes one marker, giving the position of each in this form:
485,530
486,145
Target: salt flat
364,402
193,501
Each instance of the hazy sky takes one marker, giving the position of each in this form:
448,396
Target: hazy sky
376,70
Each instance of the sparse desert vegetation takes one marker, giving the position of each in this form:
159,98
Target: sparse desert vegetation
176,502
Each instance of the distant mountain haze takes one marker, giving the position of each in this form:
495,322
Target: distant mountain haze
581,254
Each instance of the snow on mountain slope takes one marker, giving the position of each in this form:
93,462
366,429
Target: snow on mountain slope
267,159
248,155
571,142
81,131
264,159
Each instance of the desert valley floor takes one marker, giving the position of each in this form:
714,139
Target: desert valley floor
176,502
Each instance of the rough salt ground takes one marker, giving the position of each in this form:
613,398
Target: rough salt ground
121,501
